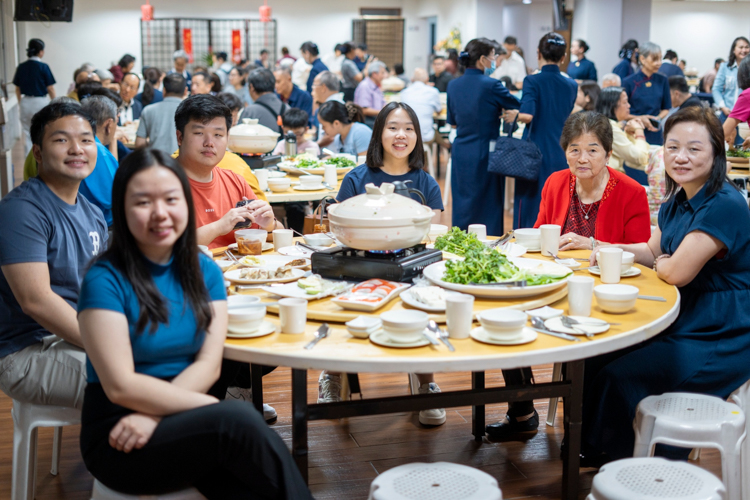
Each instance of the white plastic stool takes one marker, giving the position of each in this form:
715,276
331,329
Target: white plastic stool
742,398
654,478
693,421
438,481
430,157
101,492
27,418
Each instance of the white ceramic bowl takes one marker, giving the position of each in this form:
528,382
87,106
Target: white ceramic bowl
275,174
437,230
381,238
362,326
205,251
528,237
503,324
318,240
616,298
279,184
249,317
628,259
310,180
404,326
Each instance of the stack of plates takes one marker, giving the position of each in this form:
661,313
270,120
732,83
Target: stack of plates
362,326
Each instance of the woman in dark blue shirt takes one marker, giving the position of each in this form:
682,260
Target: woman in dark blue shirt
702,246
310,52
475,106
548,98
648,92
153,317
582,69
628,57
34,87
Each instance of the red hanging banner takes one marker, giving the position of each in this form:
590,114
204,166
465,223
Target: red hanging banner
187,43
236,47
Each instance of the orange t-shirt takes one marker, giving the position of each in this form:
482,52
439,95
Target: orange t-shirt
215,198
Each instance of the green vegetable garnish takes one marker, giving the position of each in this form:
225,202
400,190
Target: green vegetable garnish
482,264
341,162
308,163
738,153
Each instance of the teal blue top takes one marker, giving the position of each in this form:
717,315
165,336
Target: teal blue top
174,345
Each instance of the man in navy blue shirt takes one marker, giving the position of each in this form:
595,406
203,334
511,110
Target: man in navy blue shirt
290,94
49,236
669,65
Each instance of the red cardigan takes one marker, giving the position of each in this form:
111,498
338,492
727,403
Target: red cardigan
623,216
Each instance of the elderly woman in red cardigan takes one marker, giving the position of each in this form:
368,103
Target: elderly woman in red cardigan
591,202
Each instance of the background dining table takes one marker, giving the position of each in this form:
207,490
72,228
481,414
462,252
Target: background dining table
343,353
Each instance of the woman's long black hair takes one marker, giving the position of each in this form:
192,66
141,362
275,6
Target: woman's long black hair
126,257
151,76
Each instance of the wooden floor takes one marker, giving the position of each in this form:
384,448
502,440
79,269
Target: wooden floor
347,454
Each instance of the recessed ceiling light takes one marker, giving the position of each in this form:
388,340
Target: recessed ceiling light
527,2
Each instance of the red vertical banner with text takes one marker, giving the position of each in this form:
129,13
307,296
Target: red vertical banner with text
187,43
236,47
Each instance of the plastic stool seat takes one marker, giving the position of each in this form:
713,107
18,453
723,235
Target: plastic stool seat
101,492
693,421
655,478
436,481
27,418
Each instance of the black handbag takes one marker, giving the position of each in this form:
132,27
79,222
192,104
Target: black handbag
515,157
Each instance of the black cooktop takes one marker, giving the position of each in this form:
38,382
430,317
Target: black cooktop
355,265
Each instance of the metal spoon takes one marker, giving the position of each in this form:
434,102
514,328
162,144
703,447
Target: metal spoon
538,324
568,323
442,335
320,334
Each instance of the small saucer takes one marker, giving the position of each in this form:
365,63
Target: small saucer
480,335
265,328
545,312
630,273
587,325
300,187
381,338
267,245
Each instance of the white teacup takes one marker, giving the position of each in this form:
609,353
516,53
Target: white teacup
310,180
529,238
628,259
404,326
503,324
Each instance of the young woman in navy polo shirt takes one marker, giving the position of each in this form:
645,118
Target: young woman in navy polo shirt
34,86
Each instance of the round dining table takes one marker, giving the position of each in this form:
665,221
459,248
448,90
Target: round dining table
342,352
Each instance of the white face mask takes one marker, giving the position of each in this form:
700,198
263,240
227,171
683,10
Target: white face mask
573,58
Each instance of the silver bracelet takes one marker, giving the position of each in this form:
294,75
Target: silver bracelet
593,242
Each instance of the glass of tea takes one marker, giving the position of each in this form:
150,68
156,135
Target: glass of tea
250,241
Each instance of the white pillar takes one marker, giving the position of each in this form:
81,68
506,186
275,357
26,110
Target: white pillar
489,15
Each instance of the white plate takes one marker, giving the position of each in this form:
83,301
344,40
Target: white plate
292,291
267,245
570,263
266,328
295,251
556,325
512,250
408,299
224,264
234,276
308,188
381,338
630,273
355,305
480,335
275,261
434,273
545,312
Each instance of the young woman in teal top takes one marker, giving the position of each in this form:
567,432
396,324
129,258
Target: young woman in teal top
153,317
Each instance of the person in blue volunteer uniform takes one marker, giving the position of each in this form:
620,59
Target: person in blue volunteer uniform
34,87
648,92
475,105
628,58
310,53
547,101
704,252
582,69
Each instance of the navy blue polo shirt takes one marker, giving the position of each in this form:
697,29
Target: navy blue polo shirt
582,69
301,100
33,77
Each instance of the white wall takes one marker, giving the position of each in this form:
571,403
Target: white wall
528,23
699,31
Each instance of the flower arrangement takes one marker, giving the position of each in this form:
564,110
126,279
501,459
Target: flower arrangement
452,41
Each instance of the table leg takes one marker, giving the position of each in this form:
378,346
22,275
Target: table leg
573,409
299,420
477,412
256,379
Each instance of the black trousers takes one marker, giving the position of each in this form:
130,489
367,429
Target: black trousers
225,450
519,376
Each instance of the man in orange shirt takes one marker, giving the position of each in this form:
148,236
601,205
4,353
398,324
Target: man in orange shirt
203,123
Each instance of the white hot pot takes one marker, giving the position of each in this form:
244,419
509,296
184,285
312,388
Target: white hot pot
380,220
251,137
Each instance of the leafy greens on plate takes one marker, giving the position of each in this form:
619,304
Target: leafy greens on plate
482,264
340,162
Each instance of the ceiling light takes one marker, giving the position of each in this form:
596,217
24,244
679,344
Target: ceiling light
527,2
